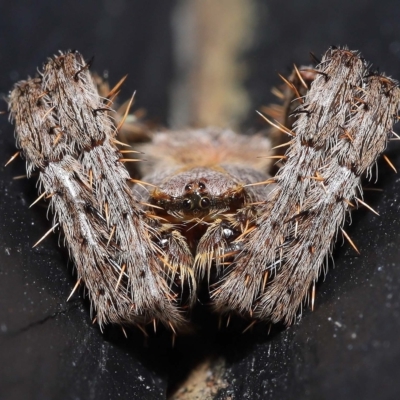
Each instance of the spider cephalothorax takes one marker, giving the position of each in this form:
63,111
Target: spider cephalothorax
196,197
206,204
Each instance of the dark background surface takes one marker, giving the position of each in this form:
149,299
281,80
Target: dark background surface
347,348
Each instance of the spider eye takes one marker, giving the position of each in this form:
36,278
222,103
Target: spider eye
187,204
205,202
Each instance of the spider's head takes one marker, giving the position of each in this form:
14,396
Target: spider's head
198,193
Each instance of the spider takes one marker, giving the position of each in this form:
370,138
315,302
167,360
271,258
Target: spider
205,210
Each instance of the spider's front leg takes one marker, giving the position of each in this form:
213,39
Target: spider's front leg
342,127
121,255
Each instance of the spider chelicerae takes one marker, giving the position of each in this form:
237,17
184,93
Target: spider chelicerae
204,211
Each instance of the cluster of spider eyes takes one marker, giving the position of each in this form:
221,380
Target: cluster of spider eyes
196,200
